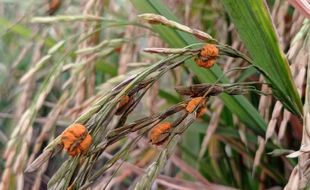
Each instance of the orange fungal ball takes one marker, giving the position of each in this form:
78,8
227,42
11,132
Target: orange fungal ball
207,56
205,64
193,103
210,51
76,139
159,134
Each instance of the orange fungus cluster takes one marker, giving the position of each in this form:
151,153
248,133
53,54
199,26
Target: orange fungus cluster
76,139
160,133
193,103
207,56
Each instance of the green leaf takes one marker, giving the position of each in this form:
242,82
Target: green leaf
170,98
104,67
239,105
256,30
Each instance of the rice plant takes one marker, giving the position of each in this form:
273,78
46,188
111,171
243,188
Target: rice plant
146,94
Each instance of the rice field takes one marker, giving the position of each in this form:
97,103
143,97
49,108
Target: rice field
145,94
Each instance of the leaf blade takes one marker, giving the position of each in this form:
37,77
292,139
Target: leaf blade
256,30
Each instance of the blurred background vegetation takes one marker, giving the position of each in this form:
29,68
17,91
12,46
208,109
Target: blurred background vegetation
57,60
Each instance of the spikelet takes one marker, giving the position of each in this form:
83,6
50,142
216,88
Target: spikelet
53,6
123,104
